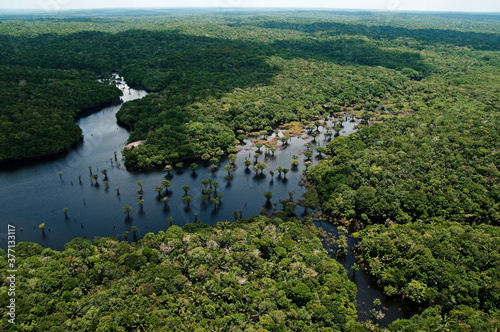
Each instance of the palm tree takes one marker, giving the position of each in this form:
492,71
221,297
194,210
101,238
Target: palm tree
205,182
247,163
209,192
284,139
140,202
168,169
215,202
193,167
165,200
186,189
127,209
261,166
308,145
159,189
229,168
167,184
187,199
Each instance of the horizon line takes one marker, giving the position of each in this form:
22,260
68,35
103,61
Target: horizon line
215,8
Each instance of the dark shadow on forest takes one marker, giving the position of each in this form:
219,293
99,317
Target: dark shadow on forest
476,40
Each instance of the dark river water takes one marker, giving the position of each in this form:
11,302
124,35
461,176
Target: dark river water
34,193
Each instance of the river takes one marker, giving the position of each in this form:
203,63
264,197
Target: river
35,193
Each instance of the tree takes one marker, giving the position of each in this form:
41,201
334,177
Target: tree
193,167
134,230
139,183
186,189
308,154
213,168
284,139
229,168
258,146
268,195
179,165
219,196
168,169
279,169
95,176
247,163
285,170
315,134
60,175
215,202
205,182
125,235
320,150
170,220
261,166
187,199
205,156
309,145
165,200
42,227
105,173
215,184
127,209
65,210
117,191
159,189
167,184
232,158
140,202
256,156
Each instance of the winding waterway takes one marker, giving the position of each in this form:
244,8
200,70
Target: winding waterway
36,193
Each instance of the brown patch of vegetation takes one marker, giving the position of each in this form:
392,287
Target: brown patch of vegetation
293,128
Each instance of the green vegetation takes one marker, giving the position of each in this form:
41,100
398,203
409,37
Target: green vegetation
255,274
423,166
39,106
444,263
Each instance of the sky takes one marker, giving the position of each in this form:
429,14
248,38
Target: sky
390,5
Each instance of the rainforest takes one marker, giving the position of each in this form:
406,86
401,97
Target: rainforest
212,128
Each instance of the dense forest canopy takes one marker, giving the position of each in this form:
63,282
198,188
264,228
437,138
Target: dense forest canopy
257,275
423,167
